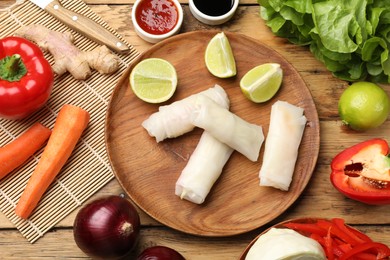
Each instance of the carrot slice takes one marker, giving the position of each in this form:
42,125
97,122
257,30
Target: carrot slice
69,126
15,153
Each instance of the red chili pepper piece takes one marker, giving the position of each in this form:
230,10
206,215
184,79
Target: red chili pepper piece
26,78
361,172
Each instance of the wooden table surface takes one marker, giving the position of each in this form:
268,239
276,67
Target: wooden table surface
319,199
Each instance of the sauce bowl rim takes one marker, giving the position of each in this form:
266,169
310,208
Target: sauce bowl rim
157,37
214,18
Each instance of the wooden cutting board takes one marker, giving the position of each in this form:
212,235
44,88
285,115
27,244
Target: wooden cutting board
148,170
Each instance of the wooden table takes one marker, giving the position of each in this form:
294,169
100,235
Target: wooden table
319,199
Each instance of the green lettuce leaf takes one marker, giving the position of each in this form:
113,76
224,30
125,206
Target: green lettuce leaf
351,37
339,24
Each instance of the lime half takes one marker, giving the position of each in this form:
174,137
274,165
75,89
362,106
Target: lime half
364,105
219,57
153,80
261,83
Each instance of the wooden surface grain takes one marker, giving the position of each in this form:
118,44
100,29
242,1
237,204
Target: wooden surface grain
319,199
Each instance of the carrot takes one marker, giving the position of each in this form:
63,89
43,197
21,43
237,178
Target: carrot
23,147
69,126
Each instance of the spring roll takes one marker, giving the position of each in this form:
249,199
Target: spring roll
286,128
174,120
228,128
203,168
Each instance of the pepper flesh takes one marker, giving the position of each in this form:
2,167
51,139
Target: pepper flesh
26,78
362,172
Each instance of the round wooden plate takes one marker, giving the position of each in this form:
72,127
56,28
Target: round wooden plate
148,170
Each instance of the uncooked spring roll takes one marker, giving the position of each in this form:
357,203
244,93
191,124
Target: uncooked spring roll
228,128
203,168
287,124
174,120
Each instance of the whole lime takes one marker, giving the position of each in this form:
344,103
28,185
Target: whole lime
364,105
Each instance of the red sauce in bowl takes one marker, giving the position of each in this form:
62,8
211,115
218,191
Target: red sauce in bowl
157,16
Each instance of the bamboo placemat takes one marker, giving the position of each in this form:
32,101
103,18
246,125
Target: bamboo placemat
88,169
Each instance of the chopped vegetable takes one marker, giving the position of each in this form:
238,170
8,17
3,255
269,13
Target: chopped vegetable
341,241
351,37
383,252
15,153
310,228
26,78
69,126
362,172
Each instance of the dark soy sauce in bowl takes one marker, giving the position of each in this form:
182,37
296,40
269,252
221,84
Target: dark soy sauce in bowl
214,7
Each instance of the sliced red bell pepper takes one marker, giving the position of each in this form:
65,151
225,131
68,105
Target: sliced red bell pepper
361,235
382,251
340,224
329,246
341,241
345,248
306,228
319,239
365,256
337,232
362,172
337,251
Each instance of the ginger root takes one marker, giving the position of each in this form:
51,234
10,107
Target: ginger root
67,56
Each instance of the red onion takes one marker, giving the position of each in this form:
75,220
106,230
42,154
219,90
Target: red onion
160,253
107,228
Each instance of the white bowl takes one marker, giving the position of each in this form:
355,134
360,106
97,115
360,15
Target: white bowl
154,38
212,20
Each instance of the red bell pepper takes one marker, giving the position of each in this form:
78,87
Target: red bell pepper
26,78
362,172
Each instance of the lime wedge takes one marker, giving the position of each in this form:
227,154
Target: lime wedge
219,57
261,83
153,80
